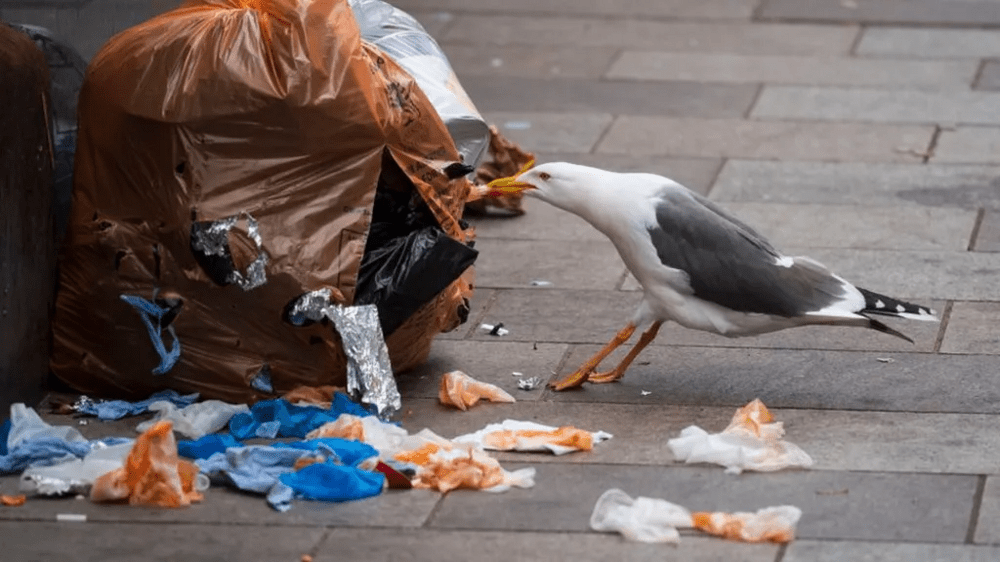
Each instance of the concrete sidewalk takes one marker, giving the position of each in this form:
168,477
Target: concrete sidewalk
864,133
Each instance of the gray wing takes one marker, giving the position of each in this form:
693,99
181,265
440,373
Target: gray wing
730,264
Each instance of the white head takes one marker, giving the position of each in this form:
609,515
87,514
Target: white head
568,186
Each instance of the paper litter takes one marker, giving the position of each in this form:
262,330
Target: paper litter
462,391
515,435
752,441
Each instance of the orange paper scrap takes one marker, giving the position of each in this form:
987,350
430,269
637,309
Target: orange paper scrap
752,441
654,520
462,391
13,501
152,474
515,435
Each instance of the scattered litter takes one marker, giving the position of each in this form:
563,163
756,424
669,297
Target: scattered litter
751,442
517,374
653,520
206,446
497,330
107,410
82,422
194,421
462,391
540,283
885,359
447,467
152,474
320,396
369,373
514,435
71,517
645,392
530,383
75,476
13,501
278,418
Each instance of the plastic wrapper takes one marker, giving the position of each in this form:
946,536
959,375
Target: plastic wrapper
75,476
654,520
228,160
752,441
402,37
515,435
194,421
463,392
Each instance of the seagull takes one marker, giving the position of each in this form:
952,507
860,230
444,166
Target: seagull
698,265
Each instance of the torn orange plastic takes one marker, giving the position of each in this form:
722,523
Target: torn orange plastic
509,185
566,436
152,475
315,395
345,427
462,391
13,501
752,418
745,527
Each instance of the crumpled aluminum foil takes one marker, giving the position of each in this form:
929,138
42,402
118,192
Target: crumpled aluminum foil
310,306
83,402
369,371
213,240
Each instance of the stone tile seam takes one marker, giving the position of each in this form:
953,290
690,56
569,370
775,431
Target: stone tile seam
976,227
604,133
980,69
548,393
977,502
748,113
943,327
780,555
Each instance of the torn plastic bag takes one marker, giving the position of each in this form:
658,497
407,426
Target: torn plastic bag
402,37
229,154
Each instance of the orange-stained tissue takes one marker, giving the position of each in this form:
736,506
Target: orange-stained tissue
462,391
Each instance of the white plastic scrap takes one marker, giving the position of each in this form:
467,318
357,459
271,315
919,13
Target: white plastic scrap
194,421
497,330
751,442
75,476
515,435
530,383
25,423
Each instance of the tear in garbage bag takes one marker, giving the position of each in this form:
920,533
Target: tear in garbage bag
230,154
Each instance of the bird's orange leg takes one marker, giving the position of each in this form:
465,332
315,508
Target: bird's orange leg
619,371
583,373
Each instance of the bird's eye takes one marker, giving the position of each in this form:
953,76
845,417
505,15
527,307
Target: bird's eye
544,176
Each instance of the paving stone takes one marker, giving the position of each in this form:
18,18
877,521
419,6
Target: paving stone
813,71
860,227
558,132
877,506
565,264
835,439
840,380
736,9
972,328
883,11
684,99
488,546
853,183
877,106
560,316
989,77
38,541
694,173
650,34
988,238
939,275
765,139
988,525
492,362
835,551
525,61
968,145
394,508
929,42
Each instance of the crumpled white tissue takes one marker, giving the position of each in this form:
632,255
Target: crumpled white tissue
515,435
75,476
653,520
196,420
751,442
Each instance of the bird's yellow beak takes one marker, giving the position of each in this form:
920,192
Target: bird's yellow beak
509,186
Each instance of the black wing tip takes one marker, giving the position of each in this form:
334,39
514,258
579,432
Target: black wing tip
876,303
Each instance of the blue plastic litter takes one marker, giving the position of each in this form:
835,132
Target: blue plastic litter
333,482
292,420
48,451
118,409
150,311
346,452
206,446
4,432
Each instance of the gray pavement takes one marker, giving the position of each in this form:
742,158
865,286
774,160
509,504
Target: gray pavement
864,133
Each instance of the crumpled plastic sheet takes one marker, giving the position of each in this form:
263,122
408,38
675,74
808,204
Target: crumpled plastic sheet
75,476
27,441
258,468
152,475
206,446
117,409
462,391
752,441
194,421
515,435
653,520
277,418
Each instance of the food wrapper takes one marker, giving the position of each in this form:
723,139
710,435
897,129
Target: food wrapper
462,391
514,435
653,520
152,475
752,441
369,374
